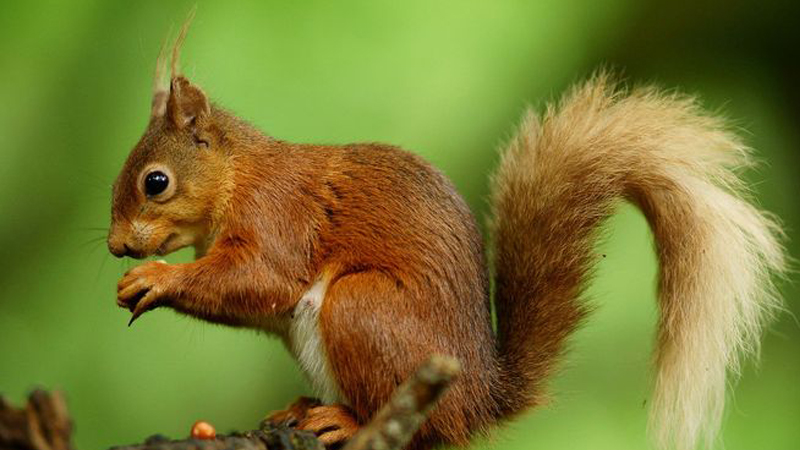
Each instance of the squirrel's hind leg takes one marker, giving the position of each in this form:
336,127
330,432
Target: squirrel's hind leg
294,413
369,359
333,424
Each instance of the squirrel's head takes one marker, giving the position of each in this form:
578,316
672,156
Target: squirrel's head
166,194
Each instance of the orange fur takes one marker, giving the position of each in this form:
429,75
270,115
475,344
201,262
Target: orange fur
389,262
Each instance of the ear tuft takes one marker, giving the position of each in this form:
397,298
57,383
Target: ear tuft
176,48
159,104
186,103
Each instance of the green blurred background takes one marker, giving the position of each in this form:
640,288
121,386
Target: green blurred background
447,80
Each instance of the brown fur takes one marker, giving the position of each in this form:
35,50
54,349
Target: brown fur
397,245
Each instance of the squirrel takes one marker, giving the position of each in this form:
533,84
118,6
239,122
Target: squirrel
365,260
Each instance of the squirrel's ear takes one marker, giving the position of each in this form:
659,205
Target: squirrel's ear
187,103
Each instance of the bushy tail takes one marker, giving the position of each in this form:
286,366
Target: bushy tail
562,174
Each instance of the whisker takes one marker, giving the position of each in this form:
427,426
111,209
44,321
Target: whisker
96,246
95,240
100,270
97,181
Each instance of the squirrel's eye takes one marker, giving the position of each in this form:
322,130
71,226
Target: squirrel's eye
155,183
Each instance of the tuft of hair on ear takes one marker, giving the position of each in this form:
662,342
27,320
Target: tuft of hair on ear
161,87
160,84
176,48
186,103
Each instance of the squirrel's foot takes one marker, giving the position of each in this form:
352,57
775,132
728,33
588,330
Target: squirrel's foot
294,413
333,424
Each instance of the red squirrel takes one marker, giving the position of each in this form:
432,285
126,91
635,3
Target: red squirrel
365,260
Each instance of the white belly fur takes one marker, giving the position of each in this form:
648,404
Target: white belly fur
305,342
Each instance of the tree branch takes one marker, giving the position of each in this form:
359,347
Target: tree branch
44,424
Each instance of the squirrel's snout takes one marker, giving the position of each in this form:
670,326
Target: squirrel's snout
118,246
118,249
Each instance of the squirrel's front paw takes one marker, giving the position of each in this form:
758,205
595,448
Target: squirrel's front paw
144,288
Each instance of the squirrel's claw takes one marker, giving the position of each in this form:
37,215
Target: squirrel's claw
147,303
136,313
133,317
142,288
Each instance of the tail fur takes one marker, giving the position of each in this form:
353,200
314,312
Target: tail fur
562,175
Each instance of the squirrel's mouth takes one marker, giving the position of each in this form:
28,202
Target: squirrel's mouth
168,245
136,254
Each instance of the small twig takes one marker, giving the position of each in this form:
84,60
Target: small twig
396,423
43,424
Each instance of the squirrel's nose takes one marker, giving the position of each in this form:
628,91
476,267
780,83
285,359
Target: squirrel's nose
122,249
118,249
